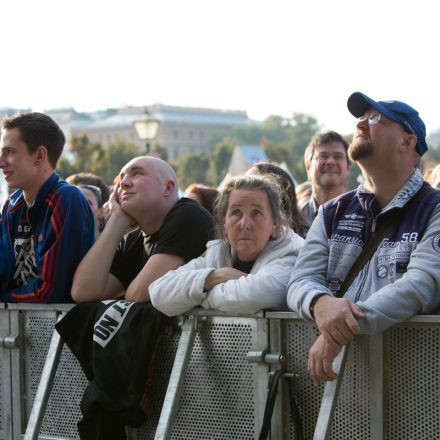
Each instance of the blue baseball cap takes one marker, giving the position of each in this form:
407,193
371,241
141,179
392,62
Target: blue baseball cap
397,111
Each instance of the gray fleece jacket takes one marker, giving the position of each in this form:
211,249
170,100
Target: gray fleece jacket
402,278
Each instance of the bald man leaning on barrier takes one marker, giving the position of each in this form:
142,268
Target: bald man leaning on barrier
166,232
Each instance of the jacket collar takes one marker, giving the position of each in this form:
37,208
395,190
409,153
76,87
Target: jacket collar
410,187
17,197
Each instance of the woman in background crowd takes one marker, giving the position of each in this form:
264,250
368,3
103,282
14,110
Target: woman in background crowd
289,202
96,192
204,195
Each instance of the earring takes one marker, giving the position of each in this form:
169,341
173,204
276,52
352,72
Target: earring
37,163
101,224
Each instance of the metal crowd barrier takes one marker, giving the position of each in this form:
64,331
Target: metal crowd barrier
216,372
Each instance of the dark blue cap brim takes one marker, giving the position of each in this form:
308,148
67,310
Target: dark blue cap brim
358,104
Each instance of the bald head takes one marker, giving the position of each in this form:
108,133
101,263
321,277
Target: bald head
147,191
164,171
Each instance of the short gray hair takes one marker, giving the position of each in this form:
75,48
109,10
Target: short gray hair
251,182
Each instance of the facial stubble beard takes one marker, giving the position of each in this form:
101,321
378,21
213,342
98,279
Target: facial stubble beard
359,150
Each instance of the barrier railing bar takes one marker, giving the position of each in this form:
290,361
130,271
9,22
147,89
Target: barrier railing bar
45,386
177,377
16,327
330,398
376,385
278,418
6,379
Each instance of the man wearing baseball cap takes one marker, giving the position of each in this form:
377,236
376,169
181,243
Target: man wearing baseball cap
395,215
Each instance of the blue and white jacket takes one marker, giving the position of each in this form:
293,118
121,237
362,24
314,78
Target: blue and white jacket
402,278
63,231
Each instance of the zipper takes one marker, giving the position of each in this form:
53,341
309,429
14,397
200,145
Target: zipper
373,224
359,289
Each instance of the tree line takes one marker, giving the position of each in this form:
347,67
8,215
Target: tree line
283,140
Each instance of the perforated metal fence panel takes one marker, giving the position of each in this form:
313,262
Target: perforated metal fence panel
353,413
63,412
352,417
63,409
4,374
392,393
299,337
220,393
390,389
164,359
412,382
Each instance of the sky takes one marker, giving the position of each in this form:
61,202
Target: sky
264,57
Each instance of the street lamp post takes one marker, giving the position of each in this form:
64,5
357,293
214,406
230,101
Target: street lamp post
146,128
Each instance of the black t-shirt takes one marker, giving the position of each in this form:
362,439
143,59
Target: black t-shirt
184,232
25,263
244,266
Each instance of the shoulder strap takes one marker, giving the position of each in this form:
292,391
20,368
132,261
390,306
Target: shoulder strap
389,221
270,403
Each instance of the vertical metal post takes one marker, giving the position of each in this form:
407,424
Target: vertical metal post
260,342
280,417
330,398
45,386
177,377
6,383
17,374
376,385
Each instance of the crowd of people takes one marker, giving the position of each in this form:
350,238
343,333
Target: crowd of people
353,262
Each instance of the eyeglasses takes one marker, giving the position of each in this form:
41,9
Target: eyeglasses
95,190
323,157
372,118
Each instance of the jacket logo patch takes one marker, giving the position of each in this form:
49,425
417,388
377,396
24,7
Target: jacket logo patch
334,285
382,271
354,216
436,243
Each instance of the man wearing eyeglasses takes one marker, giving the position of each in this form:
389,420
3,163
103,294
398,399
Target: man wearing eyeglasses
402,278
327,167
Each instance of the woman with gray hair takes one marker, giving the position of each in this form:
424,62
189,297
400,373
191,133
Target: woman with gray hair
248,267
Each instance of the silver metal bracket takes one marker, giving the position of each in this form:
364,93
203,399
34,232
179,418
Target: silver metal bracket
286,374
11,341
264,357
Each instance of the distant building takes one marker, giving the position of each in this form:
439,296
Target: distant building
67,119
244,157
182,129
8,111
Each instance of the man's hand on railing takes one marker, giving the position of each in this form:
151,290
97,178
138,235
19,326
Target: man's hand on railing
321,356
336,319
